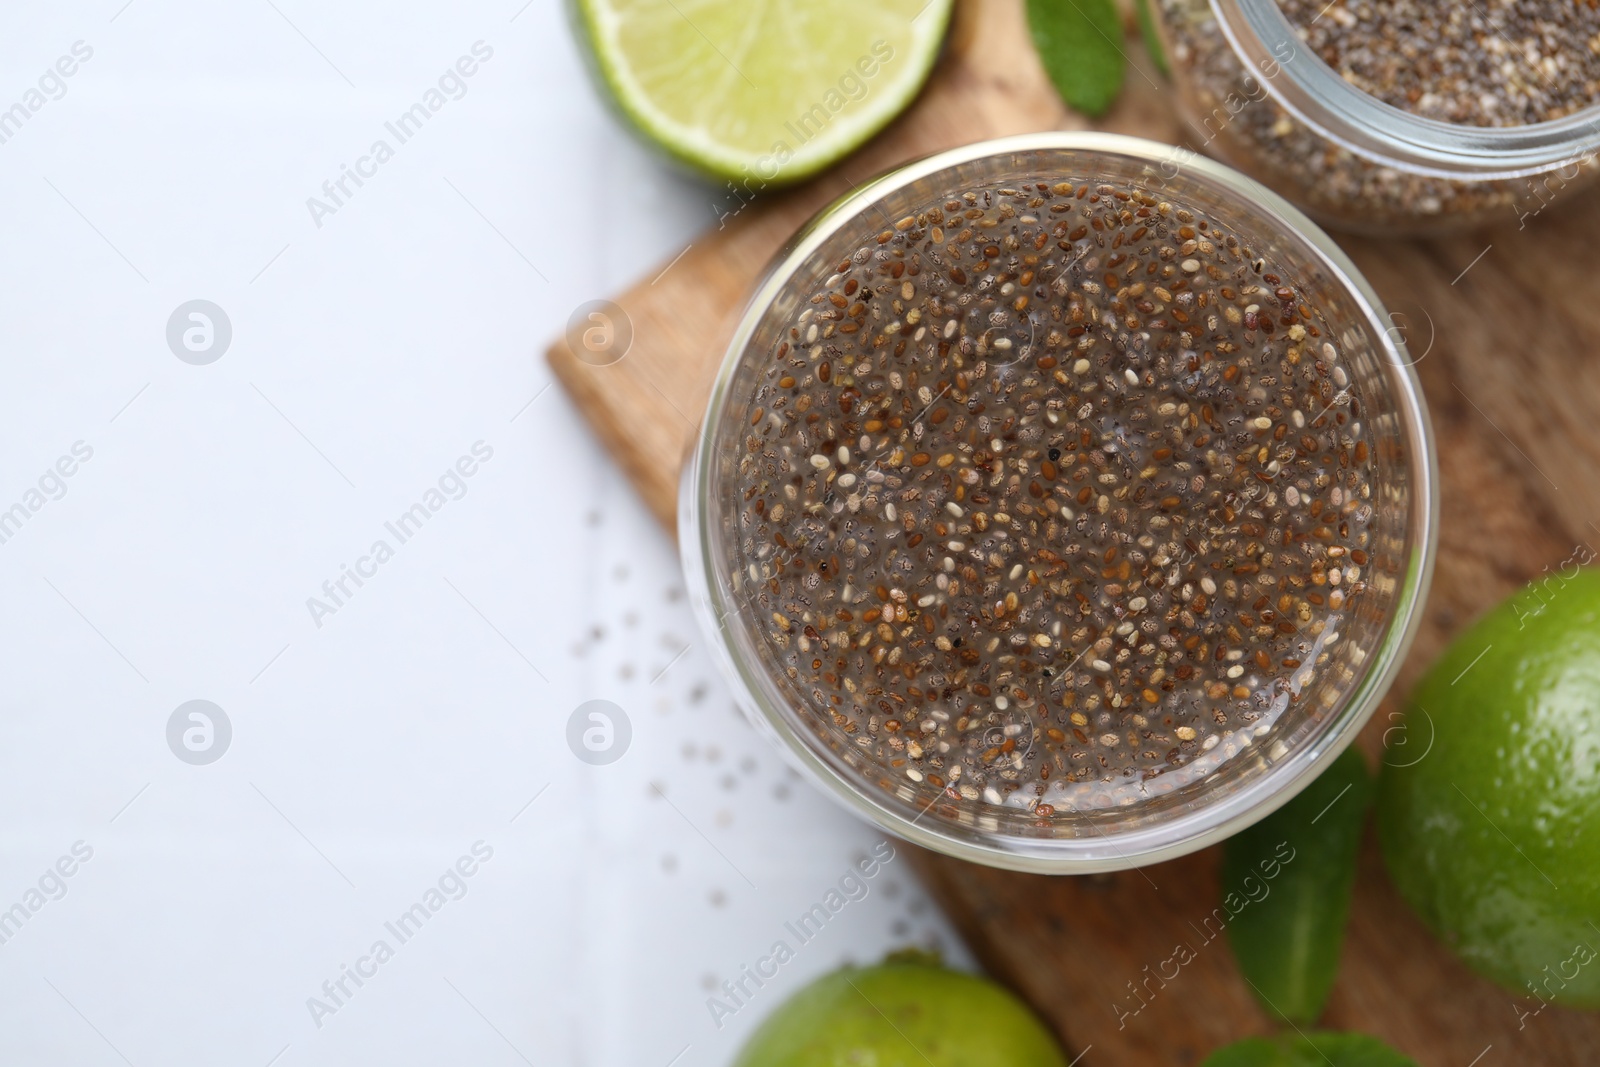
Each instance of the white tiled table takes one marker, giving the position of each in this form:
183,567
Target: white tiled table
371,752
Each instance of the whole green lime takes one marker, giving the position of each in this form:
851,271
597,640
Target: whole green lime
904,1012
1489,813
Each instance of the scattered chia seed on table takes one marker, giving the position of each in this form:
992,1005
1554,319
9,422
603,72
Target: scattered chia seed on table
1494,63
1051,497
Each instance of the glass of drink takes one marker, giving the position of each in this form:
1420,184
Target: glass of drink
1064,503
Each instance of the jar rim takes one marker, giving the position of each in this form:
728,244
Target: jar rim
1306,86
1205,822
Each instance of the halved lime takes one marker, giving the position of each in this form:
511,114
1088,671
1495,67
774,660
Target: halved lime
761,92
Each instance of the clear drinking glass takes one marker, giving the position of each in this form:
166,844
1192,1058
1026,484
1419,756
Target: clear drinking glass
1256,97
1252,771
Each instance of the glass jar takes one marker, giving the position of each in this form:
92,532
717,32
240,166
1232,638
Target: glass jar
1254,95
782,502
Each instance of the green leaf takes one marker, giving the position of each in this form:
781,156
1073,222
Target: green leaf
1080,42
1152,39
1286,884
1316,1049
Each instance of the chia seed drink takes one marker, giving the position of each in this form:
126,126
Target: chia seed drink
1043,499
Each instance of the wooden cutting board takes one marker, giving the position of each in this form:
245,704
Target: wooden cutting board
1505,324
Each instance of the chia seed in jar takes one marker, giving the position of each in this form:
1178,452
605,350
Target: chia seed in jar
1326,111
1502,63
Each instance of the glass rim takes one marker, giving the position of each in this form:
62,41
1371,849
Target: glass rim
1261,35
1206,822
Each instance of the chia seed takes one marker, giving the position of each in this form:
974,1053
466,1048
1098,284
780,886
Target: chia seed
1050,497
1511,63
1501,63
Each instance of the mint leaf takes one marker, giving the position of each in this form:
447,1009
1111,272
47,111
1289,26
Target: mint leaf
1286,885
1316,1049
1080,42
